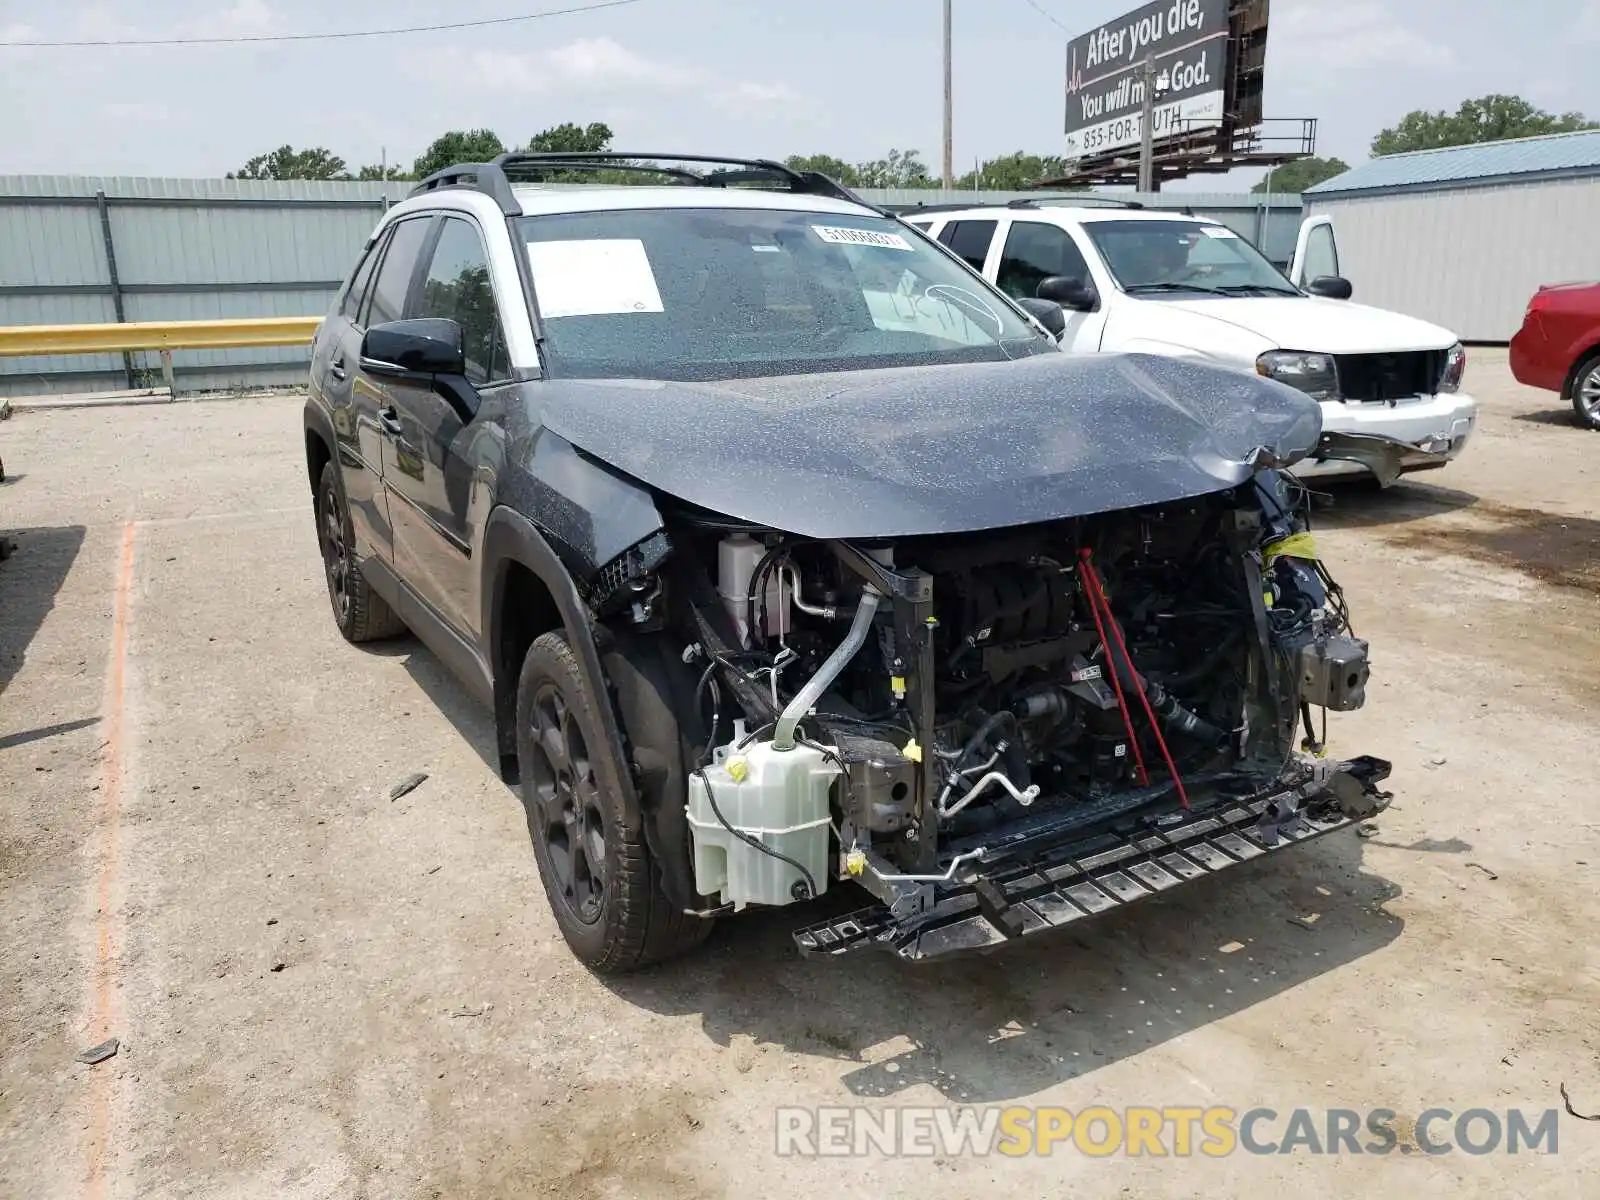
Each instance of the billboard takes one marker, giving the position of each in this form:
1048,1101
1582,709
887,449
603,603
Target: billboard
1189,44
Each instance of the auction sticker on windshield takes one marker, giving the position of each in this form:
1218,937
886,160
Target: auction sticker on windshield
1218,231
593,277
841,236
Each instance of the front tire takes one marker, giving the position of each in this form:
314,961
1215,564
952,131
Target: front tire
1586,392
597,872
360,613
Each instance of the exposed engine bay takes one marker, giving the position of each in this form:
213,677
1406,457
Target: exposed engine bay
925,715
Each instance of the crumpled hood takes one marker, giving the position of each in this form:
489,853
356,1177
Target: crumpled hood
1314,323
912,451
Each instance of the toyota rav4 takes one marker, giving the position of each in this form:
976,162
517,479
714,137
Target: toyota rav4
790,556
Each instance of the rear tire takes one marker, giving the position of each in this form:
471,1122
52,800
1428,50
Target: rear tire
1586,392
598,874
360,613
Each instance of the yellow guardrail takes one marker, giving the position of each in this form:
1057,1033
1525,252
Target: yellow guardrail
156,335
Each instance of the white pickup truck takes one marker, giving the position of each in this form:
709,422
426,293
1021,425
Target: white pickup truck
1137,280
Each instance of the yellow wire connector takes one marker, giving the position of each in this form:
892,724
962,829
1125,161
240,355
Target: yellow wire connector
738,767
913,751
1296,545
855,863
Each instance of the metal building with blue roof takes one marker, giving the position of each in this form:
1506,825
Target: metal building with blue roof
1463,236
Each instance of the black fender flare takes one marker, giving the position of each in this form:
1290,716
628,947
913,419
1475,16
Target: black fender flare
654,691
509,538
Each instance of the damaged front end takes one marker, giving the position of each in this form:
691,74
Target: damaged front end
998,733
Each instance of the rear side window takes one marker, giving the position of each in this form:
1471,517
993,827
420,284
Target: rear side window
1035,251
458,288
969,239
394,276
355,297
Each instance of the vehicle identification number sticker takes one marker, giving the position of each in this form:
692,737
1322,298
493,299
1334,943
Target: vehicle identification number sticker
840,236
593,277
1218,231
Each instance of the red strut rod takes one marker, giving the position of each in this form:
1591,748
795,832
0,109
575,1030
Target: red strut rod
1098,597
1116,680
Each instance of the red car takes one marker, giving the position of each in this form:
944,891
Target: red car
1558,346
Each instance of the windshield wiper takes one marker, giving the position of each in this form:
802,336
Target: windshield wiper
1256,287
1136,288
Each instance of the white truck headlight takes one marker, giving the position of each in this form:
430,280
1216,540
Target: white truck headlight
1314,374
1455,368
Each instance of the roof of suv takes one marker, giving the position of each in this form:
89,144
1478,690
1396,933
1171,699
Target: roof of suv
538,201
1065,212
505,181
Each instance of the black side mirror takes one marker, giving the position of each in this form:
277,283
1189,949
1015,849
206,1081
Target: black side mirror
1331,286
1076,294
414,349
1047,312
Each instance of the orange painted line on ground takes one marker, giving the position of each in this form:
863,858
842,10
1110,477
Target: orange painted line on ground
106,1008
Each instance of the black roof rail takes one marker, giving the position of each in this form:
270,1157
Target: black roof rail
483,177
909,210
1084,199
496,178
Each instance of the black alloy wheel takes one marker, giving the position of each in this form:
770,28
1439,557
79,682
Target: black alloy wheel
571,825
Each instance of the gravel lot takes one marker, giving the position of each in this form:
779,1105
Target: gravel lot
321,992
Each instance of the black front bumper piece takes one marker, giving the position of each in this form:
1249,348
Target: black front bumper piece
1046,887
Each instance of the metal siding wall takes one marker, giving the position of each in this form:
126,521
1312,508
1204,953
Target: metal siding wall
1470,258
247,232
298,232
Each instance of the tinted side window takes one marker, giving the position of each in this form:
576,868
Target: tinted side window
394,277
969,239
1036,251
355,296
458,288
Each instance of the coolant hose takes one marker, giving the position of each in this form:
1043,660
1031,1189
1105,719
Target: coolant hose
1172,713
783,737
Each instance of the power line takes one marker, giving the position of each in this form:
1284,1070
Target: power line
1033,4
322,37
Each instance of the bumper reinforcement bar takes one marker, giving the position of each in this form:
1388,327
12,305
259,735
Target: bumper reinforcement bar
1051,890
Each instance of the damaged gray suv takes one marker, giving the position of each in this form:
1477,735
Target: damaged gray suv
791,557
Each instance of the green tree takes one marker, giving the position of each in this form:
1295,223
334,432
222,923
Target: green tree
900,169
1486,119
568,138
374,171
1301,174
1014,172
288,163
458,146
835,169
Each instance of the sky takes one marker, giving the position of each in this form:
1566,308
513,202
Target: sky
763,78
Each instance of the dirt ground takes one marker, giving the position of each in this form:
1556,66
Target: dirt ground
323,993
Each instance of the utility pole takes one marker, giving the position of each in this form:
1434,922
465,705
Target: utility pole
1147,133
949,110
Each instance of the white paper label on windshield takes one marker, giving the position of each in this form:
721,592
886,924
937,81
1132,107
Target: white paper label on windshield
1218,231
840,236
593,277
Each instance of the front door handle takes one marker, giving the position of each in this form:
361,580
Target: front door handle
336,369
390,420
